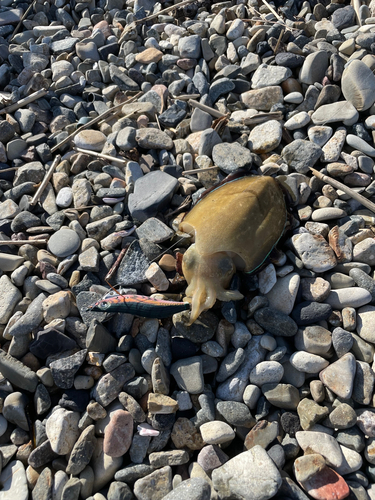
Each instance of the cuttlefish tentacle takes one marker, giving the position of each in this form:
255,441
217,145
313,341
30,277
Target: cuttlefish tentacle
208,277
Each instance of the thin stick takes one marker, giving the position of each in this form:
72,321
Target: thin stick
339,185
186,97
207,109
100,155
152,16
262,117
40,229
10,169
273,11
198,170
279,40
45,181
22,19
80,208
32,97
114,268
24,242
94,121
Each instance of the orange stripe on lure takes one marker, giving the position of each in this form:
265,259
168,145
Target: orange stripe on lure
138,305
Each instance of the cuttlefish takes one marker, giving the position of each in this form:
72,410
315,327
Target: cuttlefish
234,227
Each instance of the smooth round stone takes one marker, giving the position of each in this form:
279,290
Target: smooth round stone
3,425
9,263
297,121
365,251
64,242
294,98
328,213
266,137
322,443
348,297
339,376
314,67
64,197
13,482
366,322
307,362
266,372
342,111
358,85
313,339
357,143
216,432
340,280
90,139
118,434
283,295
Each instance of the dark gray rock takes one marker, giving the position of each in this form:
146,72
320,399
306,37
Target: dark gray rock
17,373
230,157
200,331
152,193
219,88
300,155
133,266
275,322
64,370
343,17
309,313
50,341
195,488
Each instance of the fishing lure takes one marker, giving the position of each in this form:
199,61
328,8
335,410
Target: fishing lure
139,305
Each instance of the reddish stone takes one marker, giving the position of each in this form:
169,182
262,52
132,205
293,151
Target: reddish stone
104,28
186,63
118,434
326,485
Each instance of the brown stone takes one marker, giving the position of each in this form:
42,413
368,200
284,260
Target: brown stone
315,289
291,85
185,434
161,404
119,434
262,434
167,263
307,466
149,56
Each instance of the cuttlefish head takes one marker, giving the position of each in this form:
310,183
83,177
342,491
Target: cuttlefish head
208,277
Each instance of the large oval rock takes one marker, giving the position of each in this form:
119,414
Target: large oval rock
118,434
358,85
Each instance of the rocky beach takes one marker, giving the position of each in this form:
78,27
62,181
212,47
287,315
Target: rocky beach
115,117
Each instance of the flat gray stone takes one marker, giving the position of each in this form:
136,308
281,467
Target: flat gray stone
152,194
251,471
64,242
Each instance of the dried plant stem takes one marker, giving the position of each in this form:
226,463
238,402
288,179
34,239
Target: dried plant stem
207,109
32,97
198,170
339,185
45,181
16,29
100,155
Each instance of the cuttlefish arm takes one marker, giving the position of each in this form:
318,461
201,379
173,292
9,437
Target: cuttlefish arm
208,276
